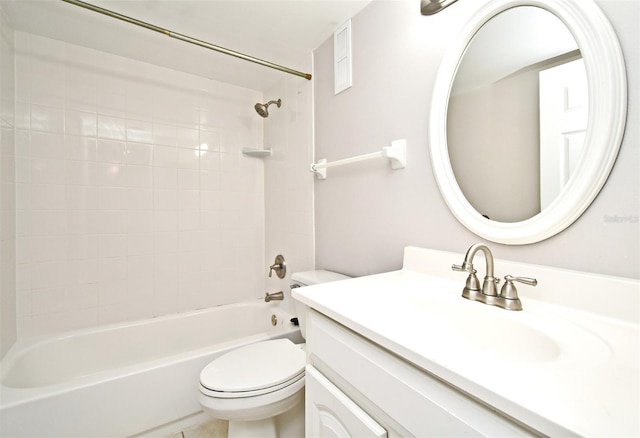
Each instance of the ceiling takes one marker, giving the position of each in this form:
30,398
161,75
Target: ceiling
283,32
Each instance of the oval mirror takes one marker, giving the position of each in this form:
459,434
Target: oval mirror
506,167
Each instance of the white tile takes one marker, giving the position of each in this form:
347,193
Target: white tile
82,247
188,200
165,242
210,201
112,198
139,221
48,222
111,270
139,176
82,222
48,248
190,242
47,83
139,154
165,221
110,151
188,220
81,123
46,118
188,179
110,104
83,272
111,127
165,156
188,138
112,175
140,277
189,263
165,178
164,134
209,220
80,148
139,131
81,197
48,300
211,139
49,274
112,295
139,108
48,197
46,171
209,181
165,199
165,272
210,161
81,173
140,244
112,245
188,158
47,145
82,296
81,97
139,199
111,222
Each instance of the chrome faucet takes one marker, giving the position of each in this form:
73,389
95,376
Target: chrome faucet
276,296
508,297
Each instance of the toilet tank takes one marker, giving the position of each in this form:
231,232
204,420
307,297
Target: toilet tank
309,278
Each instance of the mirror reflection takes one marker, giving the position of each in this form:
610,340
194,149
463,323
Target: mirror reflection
517,114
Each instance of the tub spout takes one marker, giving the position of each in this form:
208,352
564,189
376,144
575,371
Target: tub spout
276,296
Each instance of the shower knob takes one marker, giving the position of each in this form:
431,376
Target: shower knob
280,267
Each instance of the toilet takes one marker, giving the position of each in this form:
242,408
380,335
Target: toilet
259,388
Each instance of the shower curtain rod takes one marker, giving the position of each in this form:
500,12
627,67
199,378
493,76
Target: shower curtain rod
187,39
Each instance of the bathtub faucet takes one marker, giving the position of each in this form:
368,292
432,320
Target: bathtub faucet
276,296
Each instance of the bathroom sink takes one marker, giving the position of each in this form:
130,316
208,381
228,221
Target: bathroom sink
496,335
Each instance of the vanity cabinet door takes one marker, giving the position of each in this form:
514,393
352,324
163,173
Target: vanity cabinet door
331,414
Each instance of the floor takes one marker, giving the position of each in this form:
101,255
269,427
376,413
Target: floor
209,429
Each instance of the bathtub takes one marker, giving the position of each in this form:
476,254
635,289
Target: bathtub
125,379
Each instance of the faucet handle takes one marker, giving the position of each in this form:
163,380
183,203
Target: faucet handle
465,267
509,290
279,266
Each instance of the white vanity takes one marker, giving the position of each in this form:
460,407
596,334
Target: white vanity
403,354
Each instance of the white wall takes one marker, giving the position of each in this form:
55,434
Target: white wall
120,213
366,213
8,327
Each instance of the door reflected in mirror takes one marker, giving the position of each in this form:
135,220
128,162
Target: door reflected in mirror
517,114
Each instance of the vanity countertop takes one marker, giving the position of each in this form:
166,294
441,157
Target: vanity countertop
564,365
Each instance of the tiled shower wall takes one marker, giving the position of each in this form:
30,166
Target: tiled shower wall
288,182
133,198
8,332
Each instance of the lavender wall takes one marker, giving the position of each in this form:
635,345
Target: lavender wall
366,213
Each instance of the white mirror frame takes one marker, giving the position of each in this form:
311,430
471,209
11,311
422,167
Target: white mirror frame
606,76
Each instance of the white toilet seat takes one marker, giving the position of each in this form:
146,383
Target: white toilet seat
254,382
254,370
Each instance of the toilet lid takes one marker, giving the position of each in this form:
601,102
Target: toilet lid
254,367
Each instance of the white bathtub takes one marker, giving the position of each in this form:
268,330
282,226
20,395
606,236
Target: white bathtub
121,380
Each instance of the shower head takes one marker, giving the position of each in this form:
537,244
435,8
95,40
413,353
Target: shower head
262,108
